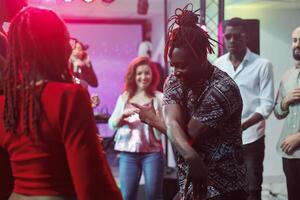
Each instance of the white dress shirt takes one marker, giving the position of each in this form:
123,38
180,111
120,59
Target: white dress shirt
254,77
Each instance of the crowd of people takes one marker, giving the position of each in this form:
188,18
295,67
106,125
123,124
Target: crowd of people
213,114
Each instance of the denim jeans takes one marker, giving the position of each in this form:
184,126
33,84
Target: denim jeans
131,167
254,157
291,168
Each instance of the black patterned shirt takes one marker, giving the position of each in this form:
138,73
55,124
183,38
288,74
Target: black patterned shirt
217,103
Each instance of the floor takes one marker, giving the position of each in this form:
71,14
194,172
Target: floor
274,188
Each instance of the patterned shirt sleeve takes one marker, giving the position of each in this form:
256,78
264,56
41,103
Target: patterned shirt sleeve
173,91
213,109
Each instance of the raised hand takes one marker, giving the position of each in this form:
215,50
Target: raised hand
129,111
291,98
146,113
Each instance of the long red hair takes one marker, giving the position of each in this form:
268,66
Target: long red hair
130,84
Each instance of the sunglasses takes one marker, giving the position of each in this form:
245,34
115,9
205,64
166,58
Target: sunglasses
236,36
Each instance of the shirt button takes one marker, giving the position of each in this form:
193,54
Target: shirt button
295,113
294,126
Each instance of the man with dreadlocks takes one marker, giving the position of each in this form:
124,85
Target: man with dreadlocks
47,124
202,112
8,8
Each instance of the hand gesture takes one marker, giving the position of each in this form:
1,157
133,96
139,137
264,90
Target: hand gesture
292,97
95,100
291,143
146,113
129,111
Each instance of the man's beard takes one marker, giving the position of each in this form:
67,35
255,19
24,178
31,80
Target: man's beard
296,55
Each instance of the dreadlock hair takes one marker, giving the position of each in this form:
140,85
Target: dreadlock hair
130,83
38,50
236,21
188,34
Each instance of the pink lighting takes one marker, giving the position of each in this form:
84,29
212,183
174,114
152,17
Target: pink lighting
88,1
68,1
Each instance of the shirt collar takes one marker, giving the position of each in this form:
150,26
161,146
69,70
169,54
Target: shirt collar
247,56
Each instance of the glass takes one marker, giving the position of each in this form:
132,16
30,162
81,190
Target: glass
236,36
73,42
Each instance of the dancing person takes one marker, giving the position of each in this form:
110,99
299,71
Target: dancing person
254,76
139,144
287,107
202,109
81,65
48,128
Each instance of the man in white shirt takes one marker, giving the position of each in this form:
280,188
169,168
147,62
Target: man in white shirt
254,76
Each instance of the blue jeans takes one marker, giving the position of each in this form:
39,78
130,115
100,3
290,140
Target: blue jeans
131,167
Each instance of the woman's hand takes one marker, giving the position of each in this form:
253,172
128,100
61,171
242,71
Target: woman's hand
129,111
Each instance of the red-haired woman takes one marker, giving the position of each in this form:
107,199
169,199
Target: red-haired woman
48,128
139,143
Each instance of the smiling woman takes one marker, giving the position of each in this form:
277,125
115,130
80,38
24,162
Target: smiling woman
139,143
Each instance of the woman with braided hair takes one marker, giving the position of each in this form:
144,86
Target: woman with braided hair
202,112
48,128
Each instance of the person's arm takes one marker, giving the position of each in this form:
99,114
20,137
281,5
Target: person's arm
175,130
119,114
281,110
6,178
152,117
88,73
254,119
89,169
266,96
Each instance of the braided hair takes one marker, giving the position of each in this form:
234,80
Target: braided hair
185,32
38,50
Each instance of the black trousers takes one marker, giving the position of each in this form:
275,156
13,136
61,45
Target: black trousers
236,195
254,154
291,168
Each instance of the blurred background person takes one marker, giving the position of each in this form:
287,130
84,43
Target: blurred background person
145,49
139,144
48,128
254,76
8,9
287,107
81,65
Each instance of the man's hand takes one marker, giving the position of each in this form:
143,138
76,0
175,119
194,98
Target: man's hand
198,177
146,113
291,143
291,98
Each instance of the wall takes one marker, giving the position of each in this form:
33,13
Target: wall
276,26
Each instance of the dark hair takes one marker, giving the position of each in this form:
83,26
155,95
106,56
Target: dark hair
130,83
38,49
188,34
236,21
